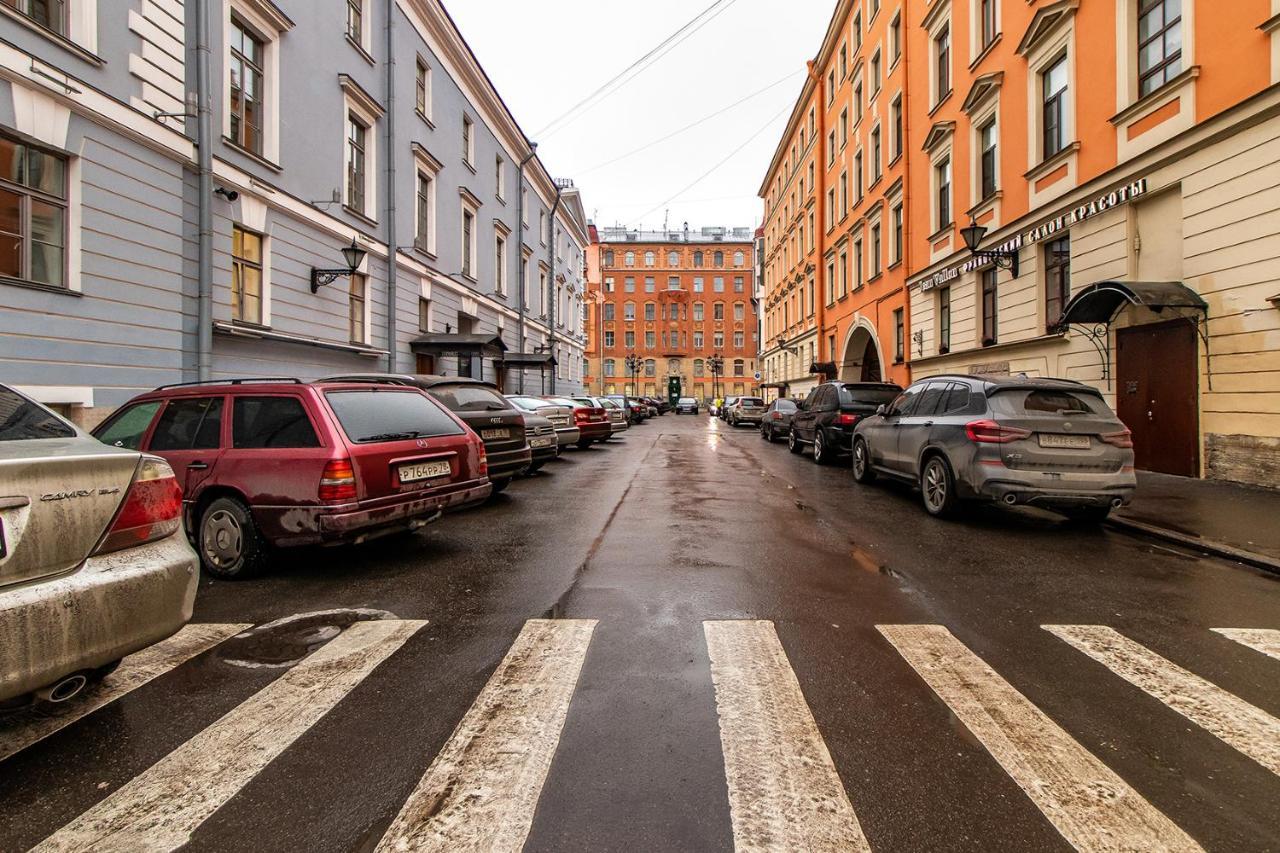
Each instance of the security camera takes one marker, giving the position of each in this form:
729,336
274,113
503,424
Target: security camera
229,195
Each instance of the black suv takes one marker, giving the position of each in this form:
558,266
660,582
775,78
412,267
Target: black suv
828,415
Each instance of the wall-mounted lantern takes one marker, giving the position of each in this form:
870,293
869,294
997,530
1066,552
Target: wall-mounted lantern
1003,259
353,255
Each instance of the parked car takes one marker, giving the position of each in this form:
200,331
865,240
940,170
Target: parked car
650,408
687,405
592,422
274,463
777,419
664,405
722,412
561,417
617,415
1047,442
92,566
637,412
543,445
482,407
746,410
828,415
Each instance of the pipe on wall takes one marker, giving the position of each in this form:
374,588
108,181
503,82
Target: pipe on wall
519,253
551,286
392,249
204,159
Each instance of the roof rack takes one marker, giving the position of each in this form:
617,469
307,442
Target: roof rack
243,381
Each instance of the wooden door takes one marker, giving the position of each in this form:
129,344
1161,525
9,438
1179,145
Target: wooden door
1157,395
426,364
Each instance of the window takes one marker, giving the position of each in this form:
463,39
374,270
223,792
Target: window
1159,43
51,14
673,282
896,224
629,311
629,340
650,366
717,311
697,259
33,214
699,366
831,86
698,312
426,203
629,284
499,264
739,284
942,63
875,73
649,259
895,128
650,311
875,154
649,284
608,285
739,312
468,142
987,140
608,257
858,264
357,133
717,340
899,338
844,194
699,339
875,250
673,259
987,22
844,61
1054,86
944,320
739,366
989,324
630,259
246,64
717,284
719,256
831,149
857,32
500,179
246,276
609,340
423,90
356,304
844,128
190,424
1057,279
610,367
895,38
857,102
697,284
739,259
609,311
857,176
650,340
942,173
355,21
272,422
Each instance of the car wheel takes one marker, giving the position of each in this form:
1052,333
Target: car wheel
938,487
821,455
862,470
1088,514
793,444
499,485
584,444
229,544
764,431
534,468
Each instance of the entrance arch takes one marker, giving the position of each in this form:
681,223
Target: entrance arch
860,361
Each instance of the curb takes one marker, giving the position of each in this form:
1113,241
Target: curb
1208,546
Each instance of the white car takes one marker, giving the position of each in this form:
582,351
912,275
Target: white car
93,562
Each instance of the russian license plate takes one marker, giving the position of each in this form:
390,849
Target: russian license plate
490,434
424,471
1074,442
542,442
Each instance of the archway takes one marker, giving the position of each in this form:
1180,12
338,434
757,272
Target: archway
861,359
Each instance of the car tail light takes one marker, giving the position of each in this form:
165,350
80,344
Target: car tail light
484,460
1123,438
990,432
847,419
338,482
151,510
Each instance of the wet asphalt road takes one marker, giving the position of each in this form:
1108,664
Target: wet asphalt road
686,520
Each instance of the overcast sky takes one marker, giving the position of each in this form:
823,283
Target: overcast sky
544,56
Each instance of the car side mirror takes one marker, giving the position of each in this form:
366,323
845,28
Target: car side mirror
882,410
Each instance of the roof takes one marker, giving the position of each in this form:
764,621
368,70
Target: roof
439,341
1099,303
684,234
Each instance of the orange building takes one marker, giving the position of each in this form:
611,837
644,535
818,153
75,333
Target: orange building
835,211
1123,158
672,301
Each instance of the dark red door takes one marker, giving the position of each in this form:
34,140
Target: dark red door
1157,395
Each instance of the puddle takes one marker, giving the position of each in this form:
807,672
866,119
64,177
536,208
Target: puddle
285,642
867,561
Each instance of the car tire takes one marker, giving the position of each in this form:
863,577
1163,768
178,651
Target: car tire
499,485
764,432
821,454
938,487
584,444
1088,514
862,470
793,443
229,544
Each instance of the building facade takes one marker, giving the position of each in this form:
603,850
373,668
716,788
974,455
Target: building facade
1127,156
135,267
668,308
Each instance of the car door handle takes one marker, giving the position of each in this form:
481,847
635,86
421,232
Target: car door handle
198,466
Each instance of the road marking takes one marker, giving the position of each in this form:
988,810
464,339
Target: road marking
135,670
481,790
1262,640
159,809
784,792
1245,727
1092,807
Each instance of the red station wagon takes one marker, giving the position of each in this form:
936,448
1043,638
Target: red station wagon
266,462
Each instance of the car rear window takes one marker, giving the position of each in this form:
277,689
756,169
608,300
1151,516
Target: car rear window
751,401
785,405
1053,402
258,422
853,395
470,398
21,419
370,416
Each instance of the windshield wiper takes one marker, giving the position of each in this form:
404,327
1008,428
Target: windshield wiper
393,436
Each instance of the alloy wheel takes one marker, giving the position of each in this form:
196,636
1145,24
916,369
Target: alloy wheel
819,448
935,484
859,459
222,539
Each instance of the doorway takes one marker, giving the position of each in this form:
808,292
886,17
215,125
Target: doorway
1157,395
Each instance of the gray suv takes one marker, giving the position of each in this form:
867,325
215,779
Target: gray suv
1052,443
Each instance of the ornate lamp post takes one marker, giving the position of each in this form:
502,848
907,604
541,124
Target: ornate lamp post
633,363
1003,259
353,255
715,364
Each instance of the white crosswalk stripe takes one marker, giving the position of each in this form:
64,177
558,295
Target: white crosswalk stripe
1092,807
481,790
1249,729
1262,640
159,809
136,670
784,792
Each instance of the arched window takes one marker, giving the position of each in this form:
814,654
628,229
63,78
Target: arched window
673,259
738,366
739,259
719,259
608,258
699,367
650,367
631,259
629,311
718,311
697,259
648,259
610,367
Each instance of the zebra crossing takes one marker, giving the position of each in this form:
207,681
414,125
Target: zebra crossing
481,790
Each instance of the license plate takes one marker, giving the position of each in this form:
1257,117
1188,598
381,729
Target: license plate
490,434
424,471
542,442
1074,442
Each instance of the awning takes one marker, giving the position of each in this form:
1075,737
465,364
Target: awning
1100,303
456,344
775,385
826,368
529,359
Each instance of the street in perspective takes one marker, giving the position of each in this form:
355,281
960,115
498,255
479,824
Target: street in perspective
841,425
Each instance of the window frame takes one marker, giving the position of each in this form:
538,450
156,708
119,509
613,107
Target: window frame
238,264
28,197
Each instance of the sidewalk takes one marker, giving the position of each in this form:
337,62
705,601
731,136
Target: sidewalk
1230,520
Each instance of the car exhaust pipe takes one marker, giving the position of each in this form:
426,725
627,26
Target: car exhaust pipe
64,690
1010,498
1116,503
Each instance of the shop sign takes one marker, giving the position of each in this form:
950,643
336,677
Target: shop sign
1044,231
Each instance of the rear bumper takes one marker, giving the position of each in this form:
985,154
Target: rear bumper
509,463
1039,488
616,427
594,432
364,524
112,606
543,454
748,418
566,436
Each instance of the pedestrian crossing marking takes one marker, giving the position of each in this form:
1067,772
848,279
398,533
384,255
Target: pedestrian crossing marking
784,791
1249,729
161,807
1092,807
135,670
1262,640
481,790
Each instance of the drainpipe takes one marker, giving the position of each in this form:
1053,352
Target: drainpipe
551,286
204,159
519,253
392,249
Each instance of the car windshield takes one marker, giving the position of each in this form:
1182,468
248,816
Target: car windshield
21,419
369,416
686,400
1052,402
529,404
469,398
856,394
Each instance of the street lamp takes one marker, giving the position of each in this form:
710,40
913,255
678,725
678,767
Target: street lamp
1003,259
633,363
353,255
715,364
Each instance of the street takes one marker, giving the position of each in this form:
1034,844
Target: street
999,729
